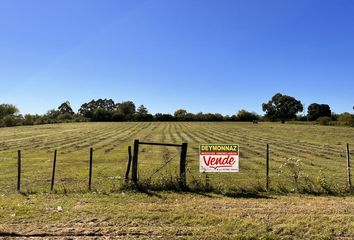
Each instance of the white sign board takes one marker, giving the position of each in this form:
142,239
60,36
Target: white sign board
219,158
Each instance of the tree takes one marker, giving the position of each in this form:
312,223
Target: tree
127,108
190,117
160,117
118,117
282,107
245,116
180,115
65,108
142,110
28,120
214,117
7,109
87,109
346,119
316,111
52,114
101,114
8,121
142,114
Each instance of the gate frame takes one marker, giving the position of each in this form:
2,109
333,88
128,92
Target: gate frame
182,163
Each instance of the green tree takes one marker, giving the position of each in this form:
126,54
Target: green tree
28,120
142,110
316,111
52,114
180,114
245,116
160,117
87,109
282,107
142,114
8,121
346,119
65,108
101,115
7,109
126,108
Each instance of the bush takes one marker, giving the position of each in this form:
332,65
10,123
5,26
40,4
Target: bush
79,118
42,120
28,120
8,121
334,117
324,120
101,114
65,116
323,182
292,169
315,111
302,118
245,116
346,119
118,117
7,109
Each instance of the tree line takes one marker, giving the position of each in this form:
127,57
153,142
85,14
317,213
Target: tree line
279,108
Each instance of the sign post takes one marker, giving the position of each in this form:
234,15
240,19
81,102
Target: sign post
219,158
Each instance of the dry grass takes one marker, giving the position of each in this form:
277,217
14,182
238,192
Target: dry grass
171,215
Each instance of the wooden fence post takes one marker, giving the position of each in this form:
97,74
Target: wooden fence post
267,168
90,172
19,170
348,169
182,166
54,165
135,162
129,163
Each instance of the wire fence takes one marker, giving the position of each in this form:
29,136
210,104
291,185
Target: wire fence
326,170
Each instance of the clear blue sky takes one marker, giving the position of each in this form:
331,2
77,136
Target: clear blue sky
210,56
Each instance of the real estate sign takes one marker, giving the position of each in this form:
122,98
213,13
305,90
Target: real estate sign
219,157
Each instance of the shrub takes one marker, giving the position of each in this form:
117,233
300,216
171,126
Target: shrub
65,116
7,109
118,117
292,168
301,117
8,121
323,182
324,120
28,120
101,114
346,119
245,116
316,111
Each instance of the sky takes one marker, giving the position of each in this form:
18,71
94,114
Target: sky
199,55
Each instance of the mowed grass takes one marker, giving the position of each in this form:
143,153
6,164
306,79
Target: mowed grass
320,148
218,206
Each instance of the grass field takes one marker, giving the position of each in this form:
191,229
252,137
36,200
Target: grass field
318,148
219,205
